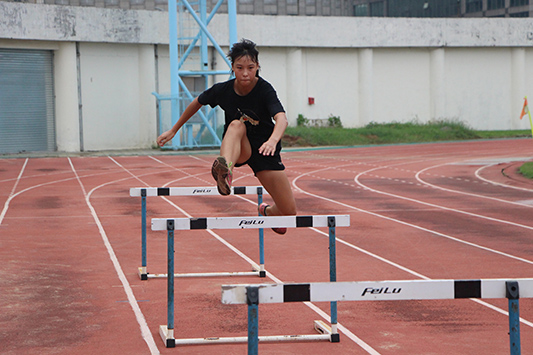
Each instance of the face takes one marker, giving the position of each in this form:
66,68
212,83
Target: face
245,70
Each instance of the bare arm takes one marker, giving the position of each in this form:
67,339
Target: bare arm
193,107
269,147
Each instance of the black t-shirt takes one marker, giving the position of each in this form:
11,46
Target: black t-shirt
260,104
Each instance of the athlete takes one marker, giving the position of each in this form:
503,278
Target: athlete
255,121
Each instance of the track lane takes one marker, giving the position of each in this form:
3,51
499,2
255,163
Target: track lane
386,327
335,169
223,240
47,281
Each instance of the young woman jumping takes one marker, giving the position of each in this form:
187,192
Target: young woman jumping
255,121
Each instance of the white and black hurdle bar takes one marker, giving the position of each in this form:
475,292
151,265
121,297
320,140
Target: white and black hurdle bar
158,224
253,295
145,192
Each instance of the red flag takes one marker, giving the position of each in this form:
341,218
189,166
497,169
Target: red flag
525,109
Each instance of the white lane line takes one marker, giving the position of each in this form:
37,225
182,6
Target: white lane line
414,225
11,194
483,303
192,175
417,227
324,315
321,313
145,330
356,179
478,175
418,178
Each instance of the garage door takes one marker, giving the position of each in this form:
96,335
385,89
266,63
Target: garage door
26,101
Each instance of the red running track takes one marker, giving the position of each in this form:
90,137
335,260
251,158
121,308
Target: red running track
70,249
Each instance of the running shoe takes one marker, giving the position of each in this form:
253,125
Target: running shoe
262,211
222,175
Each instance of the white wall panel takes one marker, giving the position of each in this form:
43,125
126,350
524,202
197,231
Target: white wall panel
401,82
110,96
478,87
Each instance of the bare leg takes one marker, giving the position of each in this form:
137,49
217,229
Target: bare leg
235,149
235,146
278,186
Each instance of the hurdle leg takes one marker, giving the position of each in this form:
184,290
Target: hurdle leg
512,293
142,270
333,277
167,332
252,298
262,272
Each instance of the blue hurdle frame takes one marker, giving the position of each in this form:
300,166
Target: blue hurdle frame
333,276
167,332
512,294
252,295
145,275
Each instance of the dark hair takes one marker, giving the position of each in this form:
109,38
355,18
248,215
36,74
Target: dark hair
244,47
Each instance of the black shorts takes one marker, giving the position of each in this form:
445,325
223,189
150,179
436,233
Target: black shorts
259,162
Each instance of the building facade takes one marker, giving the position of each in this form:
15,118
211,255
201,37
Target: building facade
443,8
363,8
98,68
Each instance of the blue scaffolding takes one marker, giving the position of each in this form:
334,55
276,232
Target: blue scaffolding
189,43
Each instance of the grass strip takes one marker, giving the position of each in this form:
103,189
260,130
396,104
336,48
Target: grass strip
527,170
390,133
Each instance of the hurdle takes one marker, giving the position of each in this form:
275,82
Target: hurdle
170,225
253,295
145,192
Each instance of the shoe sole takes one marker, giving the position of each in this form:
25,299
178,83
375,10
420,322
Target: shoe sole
280,230
220,172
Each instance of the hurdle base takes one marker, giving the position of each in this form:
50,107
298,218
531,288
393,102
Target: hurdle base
143,275
200,274
232,340
323,328
170,342
167,336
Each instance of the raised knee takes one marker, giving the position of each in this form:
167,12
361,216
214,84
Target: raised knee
237,126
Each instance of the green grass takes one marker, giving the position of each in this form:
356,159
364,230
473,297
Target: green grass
390,133
527,170
504,134
393,133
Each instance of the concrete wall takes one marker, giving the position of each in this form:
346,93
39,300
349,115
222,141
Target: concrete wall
118,109
360,69
68,134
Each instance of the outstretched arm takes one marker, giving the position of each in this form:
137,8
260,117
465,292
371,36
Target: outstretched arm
269,147
193,107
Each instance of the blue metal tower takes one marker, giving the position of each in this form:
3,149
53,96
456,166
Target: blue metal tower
188,41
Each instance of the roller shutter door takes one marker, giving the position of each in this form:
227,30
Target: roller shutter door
26,101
